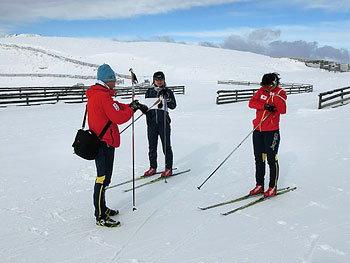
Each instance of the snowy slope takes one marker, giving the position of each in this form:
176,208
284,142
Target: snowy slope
46,192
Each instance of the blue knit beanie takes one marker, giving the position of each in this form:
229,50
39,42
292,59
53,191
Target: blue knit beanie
105,73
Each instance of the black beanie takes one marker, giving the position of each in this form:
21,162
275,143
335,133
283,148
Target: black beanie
159,75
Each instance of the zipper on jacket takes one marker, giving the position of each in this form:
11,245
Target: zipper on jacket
157,109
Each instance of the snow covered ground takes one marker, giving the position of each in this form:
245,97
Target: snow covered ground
46,191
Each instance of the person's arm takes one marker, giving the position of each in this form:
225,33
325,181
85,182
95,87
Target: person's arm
279,100
255,102
171,101
116,112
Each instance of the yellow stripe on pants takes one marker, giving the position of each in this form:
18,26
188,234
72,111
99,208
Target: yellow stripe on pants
276,163
100,180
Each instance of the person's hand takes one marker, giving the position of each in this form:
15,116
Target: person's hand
165,93
134,105
270,108
143,108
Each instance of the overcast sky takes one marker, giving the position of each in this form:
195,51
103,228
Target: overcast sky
298,28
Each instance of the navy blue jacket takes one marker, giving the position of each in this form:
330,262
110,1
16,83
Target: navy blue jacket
155,115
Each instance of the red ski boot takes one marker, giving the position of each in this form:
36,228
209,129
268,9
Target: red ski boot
168,172
270,192
150,172
257,190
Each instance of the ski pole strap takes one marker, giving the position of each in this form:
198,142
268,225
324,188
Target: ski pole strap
104,129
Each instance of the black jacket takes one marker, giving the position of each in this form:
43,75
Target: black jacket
155,115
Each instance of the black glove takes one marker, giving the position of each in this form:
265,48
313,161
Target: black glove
136,105
165,93
160,105
270,108
143,108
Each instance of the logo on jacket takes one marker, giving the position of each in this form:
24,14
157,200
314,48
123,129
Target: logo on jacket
115,105
263,97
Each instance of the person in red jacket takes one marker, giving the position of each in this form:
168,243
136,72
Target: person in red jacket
102,108
270,103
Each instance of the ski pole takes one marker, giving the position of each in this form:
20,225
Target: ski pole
165,151
133,82
217,168
154,104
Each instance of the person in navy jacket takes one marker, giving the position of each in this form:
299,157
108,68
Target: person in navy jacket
158,124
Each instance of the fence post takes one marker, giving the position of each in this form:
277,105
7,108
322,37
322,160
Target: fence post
319,101
342,96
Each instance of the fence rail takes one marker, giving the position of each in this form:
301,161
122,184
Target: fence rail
336,97
27,96
232,96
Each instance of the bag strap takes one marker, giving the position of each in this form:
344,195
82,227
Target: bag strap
84,119
104,129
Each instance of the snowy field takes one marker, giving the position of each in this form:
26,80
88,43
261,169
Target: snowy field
46,191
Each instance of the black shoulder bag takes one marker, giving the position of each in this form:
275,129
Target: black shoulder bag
86,142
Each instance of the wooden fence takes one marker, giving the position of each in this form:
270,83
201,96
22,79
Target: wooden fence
27,96
232,96
335,97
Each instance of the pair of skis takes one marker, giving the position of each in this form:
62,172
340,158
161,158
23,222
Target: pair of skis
149,182
257,201
136,179
160,178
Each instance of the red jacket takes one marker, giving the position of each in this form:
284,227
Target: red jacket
102,108
277,98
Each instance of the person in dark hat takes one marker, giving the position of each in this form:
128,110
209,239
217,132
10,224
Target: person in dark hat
270,103
101,109
158,124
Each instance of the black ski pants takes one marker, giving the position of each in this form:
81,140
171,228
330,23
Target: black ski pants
265,145
104,167
155,130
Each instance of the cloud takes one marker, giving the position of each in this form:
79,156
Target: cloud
25,10
165,39
339,5
265,41
208,44
264,35
256,41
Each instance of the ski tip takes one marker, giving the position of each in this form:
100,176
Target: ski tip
134,209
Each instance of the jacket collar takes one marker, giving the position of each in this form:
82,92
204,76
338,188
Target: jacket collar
101,83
